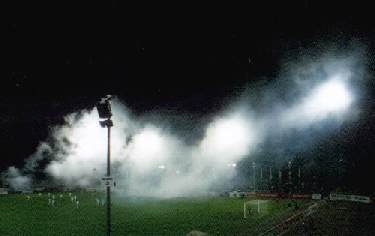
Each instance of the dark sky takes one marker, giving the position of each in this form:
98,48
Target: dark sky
60,58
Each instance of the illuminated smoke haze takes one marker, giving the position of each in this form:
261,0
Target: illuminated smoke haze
149,159
18,180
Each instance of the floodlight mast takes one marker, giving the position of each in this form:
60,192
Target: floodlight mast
254,176
104,110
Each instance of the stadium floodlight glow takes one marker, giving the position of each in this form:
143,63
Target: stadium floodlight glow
156,151
228,138
105,113
331,96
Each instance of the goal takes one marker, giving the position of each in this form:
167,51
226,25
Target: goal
247,207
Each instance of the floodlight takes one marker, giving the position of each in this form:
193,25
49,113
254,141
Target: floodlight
330,96
104,107
106,123
105,113
232,164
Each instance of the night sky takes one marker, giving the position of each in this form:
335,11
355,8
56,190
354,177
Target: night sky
59,59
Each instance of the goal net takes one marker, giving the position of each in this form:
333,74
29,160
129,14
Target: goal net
252,206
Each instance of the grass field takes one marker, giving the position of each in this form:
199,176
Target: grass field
338,218
179,216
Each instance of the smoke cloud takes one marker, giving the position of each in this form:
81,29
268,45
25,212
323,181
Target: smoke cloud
17,179
149,159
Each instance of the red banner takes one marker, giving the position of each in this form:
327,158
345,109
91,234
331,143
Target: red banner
301,196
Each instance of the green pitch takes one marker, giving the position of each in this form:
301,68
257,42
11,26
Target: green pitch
215,216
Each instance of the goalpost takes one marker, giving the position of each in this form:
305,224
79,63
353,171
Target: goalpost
246,209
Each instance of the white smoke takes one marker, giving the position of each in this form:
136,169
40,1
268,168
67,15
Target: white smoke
17,180
331,98
150,160
81,142
146,158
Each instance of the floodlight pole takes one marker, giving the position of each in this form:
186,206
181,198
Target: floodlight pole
109,218
254,176
104,110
